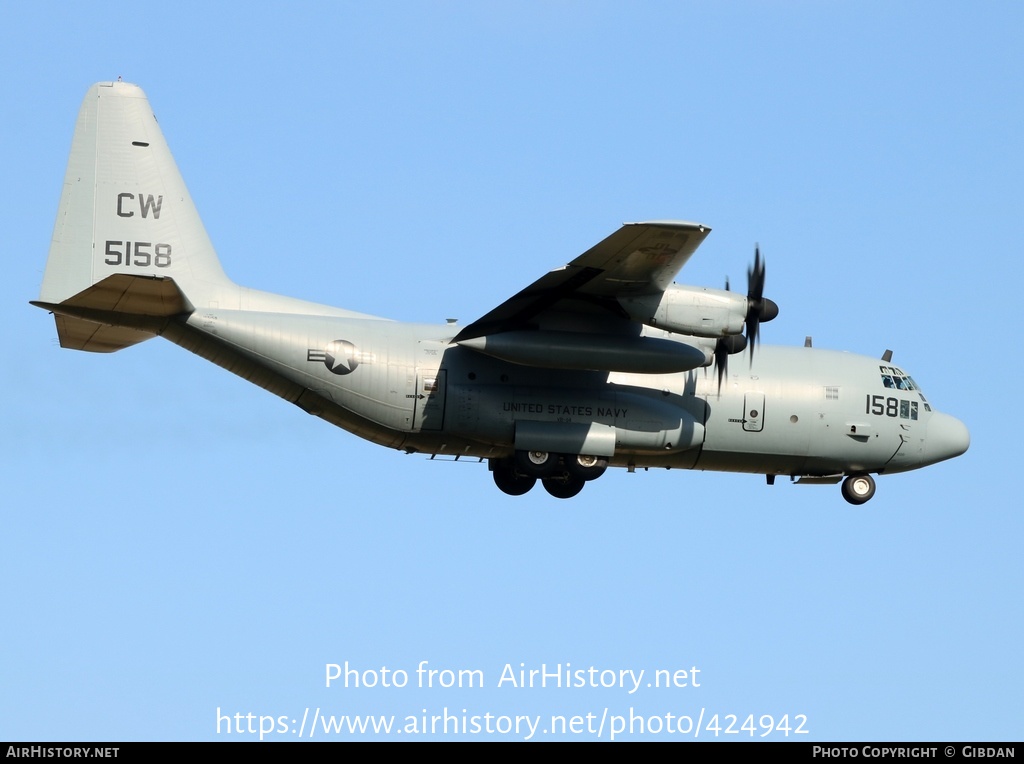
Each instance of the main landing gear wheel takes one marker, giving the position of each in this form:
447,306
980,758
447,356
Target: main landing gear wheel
858,489
586,467
563,487
538,464
510,480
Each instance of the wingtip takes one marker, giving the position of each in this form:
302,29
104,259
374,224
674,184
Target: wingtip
686,225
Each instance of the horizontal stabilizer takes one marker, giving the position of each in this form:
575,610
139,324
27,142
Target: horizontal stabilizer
116,312
79,334
141,295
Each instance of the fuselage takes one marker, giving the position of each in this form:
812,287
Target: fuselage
793,411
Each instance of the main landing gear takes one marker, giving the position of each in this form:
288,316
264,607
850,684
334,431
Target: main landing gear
858,489
563,475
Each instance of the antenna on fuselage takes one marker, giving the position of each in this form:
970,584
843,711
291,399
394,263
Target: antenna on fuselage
887,356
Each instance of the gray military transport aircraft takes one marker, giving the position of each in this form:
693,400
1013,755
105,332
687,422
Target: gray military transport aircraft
603,362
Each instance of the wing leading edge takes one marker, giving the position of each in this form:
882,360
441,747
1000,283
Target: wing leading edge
638,259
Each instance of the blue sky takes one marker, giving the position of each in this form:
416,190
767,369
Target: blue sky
175,541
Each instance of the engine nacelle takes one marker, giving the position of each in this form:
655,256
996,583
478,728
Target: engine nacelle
697,311
594,352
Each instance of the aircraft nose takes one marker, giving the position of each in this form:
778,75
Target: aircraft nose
947,437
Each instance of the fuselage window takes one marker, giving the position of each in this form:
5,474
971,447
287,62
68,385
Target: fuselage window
908,410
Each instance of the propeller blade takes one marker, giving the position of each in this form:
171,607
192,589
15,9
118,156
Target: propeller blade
726,346
721,362
759,307
755,276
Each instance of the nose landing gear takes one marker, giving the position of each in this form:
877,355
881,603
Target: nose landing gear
858,489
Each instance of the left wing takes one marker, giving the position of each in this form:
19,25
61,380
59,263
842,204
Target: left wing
638,259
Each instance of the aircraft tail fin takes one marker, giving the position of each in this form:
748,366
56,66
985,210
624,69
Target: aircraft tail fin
128,241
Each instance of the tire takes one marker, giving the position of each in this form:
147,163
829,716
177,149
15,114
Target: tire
858,489
585,467
563,487
538,464
510,480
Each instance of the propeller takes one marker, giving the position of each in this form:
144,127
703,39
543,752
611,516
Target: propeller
725,347
759,309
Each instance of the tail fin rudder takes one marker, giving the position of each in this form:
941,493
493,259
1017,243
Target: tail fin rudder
125,211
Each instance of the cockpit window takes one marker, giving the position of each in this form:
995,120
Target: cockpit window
895,379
